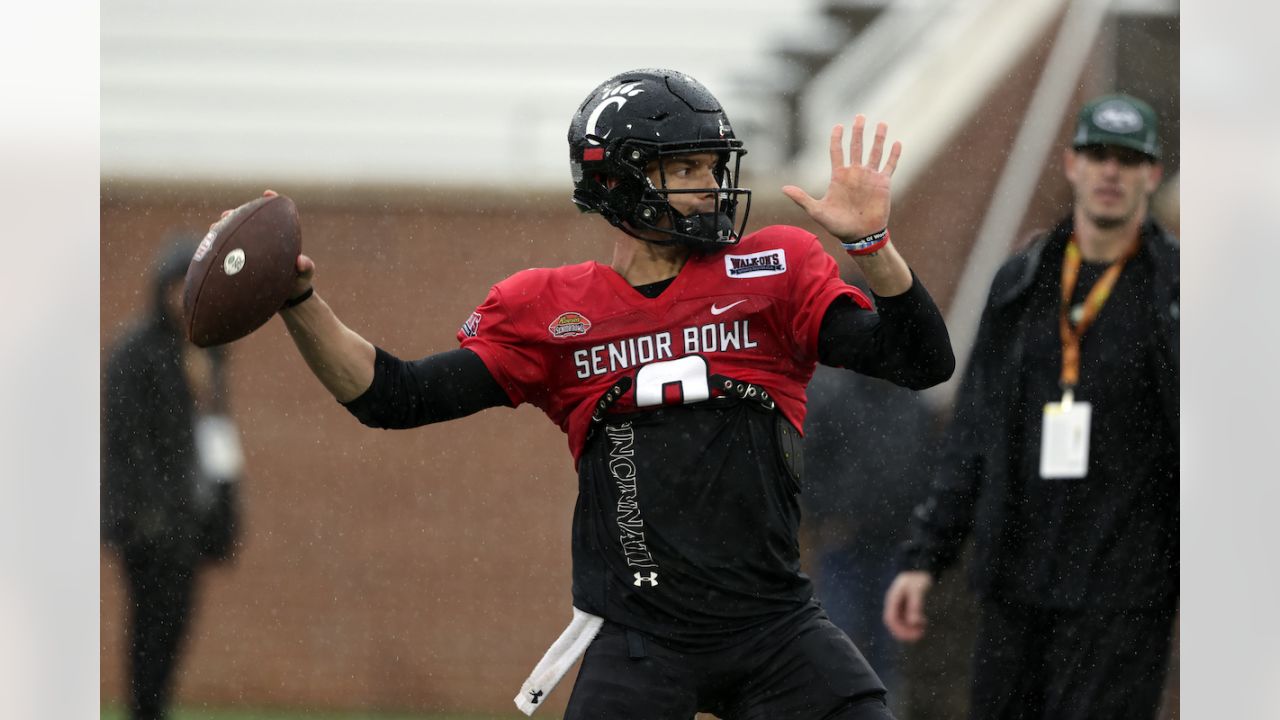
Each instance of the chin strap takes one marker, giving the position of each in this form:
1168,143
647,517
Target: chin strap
709,227
701,231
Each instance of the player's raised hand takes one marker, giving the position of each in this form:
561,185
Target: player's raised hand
856,203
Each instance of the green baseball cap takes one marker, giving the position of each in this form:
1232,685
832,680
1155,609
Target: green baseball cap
1118,120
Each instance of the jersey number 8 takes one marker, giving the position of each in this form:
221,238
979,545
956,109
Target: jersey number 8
673,382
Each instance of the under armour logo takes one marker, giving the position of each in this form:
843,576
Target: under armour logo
534,695
652,579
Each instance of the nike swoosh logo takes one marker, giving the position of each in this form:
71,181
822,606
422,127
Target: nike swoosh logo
716,309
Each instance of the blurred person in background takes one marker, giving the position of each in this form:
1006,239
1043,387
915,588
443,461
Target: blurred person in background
869,448
171,466
678,373
1062,455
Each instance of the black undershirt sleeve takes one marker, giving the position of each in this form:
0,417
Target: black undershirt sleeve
904,341
445,386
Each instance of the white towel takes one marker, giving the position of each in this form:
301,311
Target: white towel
561,656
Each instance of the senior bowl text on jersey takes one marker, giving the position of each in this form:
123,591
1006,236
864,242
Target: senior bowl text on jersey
629,352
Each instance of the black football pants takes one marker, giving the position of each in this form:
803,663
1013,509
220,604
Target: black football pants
813,672
1039,664
160,596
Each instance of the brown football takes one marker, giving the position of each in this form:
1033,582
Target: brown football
242,272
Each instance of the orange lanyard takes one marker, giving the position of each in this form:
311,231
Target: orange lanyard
1093,303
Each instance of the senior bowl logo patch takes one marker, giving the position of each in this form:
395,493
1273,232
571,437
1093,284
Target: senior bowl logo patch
570,324
472,325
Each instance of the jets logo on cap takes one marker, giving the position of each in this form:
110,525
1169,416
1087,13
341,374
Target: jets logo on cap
1117,116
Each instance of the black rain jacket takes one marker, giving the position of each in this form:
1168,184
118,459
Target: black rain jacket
971,491
149,460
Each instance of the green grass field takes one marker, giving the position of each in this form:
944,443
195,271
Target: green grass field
114,713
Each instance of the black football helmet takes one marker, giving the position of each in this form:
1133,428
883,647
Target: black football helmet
639,118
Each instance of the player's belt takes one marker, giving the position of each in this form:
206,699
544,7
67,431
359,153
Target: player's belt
725,385
743,390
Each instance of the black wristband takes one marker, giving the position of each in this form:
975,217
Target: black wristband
294,302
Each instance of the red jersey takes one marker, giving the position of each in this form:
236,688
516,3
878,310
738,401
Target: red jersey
561,338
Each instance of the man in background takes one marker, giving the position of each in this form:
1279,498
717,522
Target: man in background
171,460
869,452
1062,456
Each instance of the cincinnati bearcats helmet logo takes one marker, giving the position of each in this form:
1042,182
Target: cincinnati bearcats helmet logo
613,97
